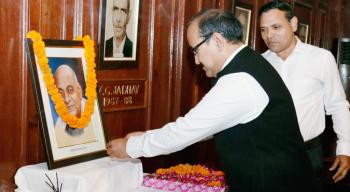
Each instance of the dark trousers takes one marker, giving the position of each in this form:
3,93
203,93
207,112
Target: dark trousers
315,153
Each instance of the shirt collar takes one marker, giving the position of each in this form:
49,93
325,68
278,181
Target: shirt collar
227,61
118,49
299,47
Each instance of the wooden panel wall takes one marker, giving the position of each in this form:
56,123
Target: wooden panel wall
164,60
346,15
13,84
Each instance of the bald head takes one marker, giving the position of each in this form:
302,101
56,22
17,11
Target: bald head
70,89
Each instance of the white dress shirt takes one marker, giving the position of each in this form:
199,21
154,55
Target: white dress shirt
312,78
118,50
236,98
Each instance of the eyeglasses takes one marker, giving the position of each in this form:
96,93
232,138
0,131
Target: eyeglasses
195,48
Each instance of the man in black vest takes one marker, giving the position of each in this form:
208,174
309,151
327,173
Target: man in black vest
249,111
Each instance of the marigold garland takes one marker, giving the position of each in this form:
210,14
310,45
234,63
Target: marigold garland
186,169
91,81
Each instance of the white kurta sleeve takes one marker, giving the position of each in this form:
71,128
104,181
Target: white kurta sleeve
236,98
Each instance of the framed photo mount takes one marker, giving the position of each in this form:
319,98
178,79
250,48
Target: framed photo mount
303,32
65,145
118,34
243,13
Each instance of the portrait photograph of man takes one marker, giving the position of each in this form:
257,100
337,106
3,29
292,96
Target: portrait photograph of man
243,15
70,82
120,29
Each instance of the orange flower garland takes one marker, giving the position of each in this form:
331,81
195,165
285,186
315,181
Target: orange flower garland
183,169
187,169
91,81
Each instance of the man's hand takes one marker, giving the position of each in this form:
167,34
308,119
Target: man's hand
343,164
117,148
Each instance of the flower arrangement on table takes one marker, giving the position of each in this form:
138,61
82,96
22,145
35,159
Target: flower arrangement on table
185,177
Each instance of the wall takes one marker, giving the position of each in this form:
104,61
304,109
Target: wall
345,7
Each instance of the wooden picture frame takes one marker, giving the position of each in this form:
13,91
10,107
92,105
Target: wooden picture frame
64,145
243,12
118,22
303,32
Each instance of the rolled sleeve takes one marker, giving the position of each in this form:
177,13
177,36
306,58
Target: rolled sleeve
343,148
134,145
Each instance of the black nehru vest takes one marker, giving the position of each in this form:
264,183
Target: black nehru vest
268,153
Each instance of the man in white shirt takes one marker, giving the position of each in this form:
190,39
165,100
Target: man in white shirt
250,115
312,77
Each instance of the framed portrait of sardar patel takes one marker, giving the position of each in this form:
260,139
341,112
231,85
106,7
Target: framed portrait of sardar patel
75,134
